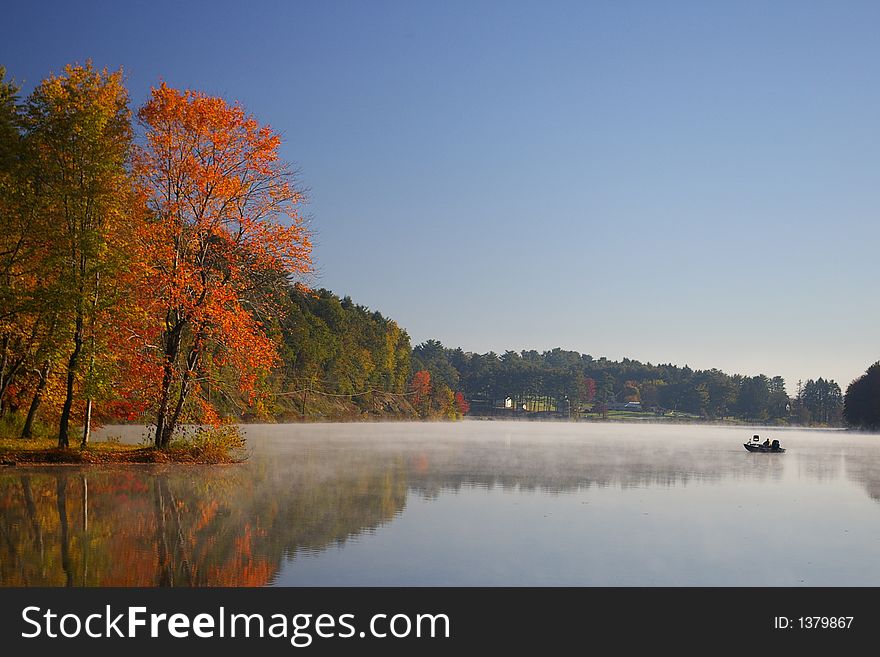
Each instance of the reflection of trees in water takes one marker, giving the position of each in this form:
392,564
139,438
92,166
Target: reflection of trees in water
191,526
569,467
233,526
64,538
819,465
180,526
863,467
859,461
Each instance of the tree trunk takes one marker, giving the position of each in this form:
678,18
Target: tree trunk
27,431
9,368
72,364
192,362
171,424
163,405
87,424
172,348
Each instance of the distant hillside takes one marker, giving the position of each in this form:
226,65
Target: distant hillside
343,361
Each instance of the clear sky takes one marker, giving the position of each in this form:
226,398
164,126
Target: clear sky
676,182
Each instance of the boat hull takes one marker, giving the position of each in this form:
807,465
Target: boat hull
762,449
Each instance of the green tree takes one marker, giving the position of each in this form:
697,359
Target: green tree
753,397
861,404
14,236
80,128
722,393
434,357
30,296
778,402
821,401
337,349
650,392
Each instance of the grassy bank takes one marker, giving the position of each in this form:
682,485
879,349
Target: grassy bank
205,446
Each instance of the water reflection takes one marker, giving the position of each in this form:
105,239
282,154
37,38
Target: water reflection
178,526
306,489
866,472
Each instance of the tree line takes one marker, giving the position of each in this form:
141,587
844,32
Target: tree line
572,384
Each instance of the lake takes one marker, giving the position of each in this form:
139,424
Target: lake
470,503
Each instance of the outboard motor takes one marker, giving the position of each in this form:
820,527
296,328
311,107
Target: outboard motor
774,444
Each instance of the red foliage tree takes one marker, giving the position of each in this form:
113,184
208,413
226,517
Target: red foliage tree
224,222
420,386
462,403
589,389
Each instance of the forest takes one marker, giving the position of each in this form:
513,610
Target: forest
154,268
570,384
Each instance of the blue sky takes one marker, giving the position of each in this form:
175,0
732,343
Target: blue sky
686,182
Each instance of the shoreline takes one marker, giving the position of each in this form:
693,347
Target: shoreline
42,452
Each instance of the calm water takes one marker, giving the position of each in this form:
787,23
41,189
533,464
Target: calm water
467,503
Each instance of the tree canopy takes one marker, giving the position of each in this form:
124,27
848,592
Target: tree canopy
861,406
223,219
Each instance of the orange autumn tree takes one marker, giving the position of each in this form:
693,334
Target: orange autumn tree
224,223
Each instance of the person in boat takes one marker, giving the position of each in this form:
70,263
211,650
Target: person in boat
766,443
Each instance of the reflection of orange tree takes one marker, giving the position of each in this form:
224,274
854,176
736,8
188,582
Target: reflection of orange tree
179,527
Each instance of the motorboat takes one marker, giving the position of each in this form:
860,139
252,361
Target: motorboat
755,445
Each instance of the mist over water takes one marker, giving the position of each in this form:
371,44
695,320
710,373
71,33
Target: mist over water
467,503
